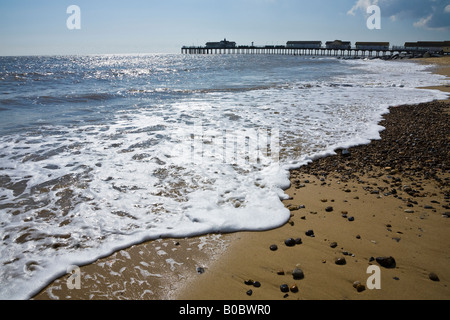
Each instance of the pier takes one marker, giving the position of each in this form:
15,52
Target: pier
335,48
282,50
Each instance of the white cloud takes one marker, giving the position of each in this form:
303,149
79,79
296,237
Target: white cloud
361,5
423,22
447,9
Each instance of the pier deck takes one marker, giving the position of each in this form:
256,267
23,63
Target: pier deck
283,50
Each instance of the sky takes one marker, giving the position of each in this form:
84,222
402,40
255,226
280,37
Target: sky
40,27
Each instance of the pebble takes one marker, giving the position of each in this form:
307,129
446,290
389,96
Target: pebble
351,218
249,282
329,209
346,153
250,292
294,288
433,276
298,274
284,288
387,262
257,284
333,244
200,270
290,242
273,247
340,261
359,286
310,233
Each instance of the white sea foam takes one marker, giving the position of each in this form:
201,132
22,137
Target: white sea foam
161,171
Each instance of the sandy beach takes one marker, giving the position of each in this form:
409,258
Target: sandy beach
389,199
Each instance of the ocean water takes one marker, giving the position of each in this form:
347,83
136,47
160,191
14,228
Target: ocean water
101,152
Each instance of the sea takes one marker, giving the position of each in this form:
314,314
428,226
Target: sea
100,152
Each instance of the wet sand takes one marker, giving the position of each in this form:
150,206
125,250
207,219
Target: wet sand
390,198
442,67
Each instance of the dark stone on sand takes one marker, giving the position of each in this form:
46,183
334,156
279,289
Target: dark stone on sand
387,262
249,292
298,274
274,247
310,233
257,284
433,276
284,288
298,241
200,270
340,261
333,244
351,218
289,242
346,153
249,282
329,209
294,288
360,287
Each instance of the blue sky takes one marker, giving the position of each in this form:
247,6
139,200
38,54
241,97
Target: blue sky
29,27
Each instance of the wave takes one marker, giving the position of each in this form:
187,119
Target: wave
58,99
205,90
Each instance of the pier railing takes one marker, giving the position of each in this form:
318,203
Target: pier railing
316,51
